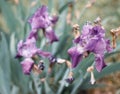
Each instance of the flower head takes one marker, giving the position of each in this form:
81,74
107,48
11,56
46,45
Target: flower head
92,40
42,20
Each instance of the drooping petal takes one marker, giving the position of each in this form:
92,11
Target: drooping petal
27,65
76,54
50,35
99,62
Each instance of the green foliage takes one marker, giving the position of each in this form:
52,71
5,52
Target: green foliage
14,26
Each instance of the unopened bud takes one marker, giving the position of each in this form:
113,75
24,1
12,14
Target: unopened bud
90,69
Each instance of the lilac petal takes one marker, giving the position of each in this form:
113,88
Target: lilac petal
108,46
99,62
97,46
43,9
86,29
27,65
76,55
98,31
77,40
28,48
43,53
50,35
91,45
38,23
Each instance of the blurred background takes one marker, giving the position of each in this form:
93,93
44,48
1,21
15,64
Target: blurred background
14,15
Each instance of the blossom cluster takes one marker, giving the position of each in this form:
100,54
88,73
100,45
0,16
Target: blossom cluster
40,20
91,39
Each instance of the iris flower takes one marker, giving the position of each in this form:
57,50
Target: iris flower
92,40
42,20
28,50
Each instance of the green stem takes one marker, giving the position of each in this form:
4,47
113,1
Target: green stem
62,83
81,81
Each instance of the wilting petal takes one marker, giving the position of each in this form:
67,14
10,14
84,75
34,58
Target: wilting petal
76,54
99,62
27,65
50,35
108,46
43,53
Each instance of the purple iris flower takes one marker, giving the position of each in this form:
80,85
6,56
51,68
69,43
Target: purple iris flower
28,49
27,65
92,39
42,20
